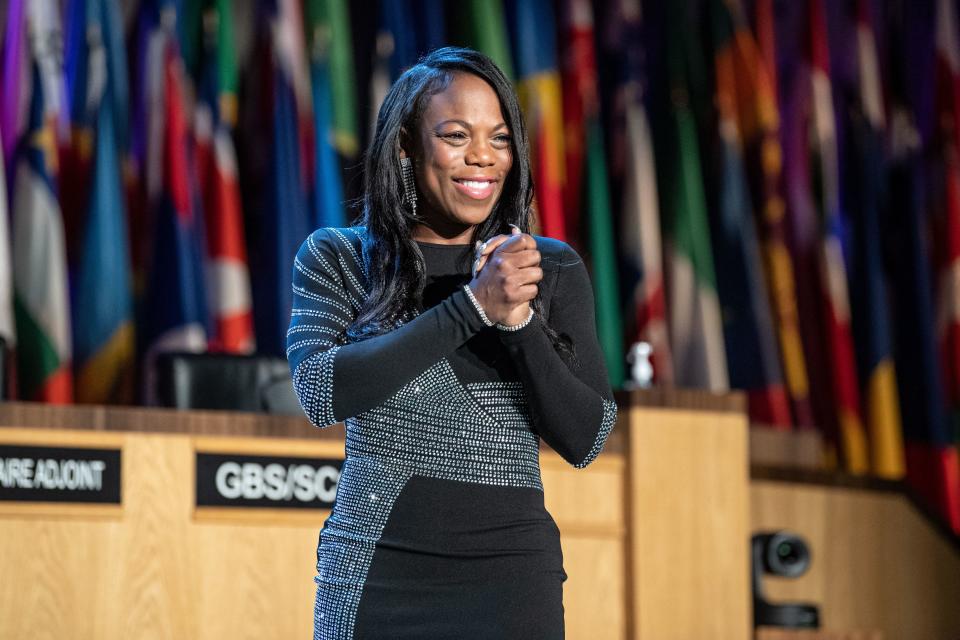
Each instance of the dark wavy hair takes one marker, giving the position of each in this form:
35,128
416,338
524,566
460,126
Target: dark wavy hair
393,260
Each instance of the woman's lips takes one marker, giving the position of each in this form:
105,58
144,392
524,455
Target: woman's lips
476,189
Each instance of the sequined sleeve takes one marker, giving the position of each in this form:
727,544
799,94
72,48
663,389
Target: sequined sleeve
335,379
570,399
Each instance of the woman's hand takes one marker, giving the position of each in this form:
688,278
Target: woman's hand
507,272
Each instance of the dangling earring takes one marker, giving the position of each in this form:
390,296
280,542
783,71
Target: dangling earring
409,189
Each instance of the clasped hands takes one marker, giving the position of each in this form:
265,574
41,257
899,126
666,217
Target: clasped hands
506,273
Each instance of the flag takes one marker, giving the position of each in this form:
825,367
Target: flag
835,299
747,321
41,299
7,322
102,310
280,216
581,94
871,311
930,455
227,274
633,166
760,127
533,32
327,198
947,251
484,29
14,106
696,332
333,17
174,315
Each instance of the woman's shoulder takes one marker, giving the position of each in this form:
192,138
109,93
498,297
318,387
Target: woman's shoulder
335,241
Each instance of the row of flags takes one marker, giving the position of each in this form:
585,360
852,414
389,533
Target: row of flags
765,192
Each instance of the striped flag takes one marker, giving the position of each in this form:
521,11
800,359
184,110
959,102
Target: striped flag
871,312
747,321
175,313
696,330
102,309
227,275
485,30
533,31
835,299
760,128
582,96
41,299
633,165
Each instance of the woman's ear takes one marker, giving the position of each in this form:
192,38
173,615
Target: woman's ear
403,143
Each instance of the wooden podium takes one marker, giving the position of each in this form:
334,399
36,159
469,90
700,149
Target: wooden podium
654,532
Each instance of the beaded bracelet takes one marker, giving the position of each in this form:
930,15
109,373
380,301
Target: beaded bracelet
516,327
476,305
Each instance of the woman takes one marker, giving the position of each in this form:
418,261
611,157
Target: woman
448,359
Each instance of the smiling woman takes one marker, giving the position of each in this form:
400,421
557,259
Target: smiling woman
450,341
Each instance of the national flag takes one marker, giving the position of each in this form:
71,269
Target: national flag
7,322
947,251
327,198
533,32
484,29
333,18
582,95
174,315
759,119
634,167
102,309
579,82
41,298
696,330
227,274
279,213
14,106
835,300
871,310
747,321
932,461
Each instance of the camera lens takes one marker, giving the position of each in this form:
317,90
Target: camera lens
786,554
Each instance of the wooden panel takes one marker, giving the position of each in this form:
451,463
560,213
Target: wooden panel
157,567
688,524
589,507
876,562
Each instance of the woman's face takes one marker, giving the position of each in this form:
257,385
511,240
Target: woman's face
461,156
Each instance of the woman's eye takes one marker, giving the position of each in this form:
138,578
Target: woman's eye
456,136
502,139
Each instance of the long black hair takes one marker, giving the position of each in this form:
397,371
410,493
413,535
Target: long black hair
394,262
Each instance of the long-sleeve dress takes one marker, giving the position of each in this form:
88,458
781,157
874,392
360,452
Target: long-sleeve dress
439,528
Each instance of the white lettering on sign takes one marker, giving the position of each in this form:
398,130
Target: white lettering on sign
50,474
253,481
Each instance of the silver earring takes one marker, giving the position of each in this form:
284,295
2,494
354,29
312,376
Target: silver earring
409,189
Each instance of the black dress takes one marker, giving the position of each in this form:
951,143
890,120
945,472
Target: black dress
439,529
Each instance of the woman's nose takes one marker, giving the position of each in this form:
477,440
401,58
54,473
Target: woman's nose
480,154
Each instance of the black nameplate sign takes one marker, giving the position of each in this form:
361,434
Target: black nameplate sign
266,481
59,474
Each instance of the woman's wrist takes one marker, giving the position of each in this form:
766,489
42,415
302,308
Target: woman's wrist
516,326
477,306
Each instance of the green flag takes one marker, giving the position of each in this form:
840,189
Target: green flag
484,29
332,18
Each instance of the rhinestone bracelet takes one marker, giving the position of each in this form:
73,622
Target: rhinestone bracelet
516,327
476,305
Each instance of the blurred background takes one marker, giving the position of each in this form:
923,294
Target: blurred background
767,193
